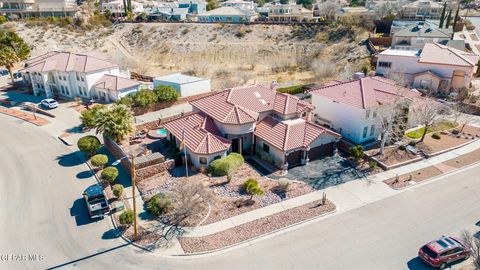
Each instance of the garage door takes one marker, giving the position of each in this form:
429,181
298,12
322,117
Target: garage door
294,158
321,151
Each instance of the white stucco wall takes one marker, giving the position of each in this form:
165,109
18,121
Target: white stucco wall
186,89
235,129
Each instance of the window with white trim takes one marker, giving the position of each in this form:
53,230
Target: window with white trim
365,131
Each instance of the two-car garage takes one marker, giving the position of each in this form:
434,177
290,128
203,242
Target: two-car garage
295,158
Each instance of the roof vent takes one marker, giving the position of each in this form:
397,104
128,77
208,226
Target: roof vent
257,94
263,101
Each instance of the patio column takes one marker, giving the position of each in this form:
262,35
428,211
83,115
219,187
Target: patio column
252,142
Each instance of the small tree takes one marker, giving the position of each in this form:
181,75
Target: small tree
99,160
117,190
110,174
251,186
425,113
126,100
144,98
89,144
357,152
191,197
165,93
159,204
89,117
115,121
126,217
13,49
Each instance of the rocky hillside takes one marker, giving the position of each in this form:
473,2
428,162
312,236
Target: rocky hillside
229,54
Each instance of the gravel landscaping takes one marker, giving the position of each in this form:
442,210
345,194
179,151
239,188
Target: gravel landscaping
417,176
255,228
464,160
448,140
392,155
230,198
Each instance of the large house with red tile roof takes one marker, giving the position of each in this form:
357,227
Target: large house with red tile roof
435,67
353,108
249,120
69,75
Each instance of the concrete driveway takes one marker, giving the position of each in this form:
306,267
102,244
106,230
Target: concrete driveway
325,172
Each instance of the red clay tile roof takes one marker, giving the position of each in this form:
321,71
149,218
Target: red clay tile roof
242,105
201,134
290,134
365,92
115,83
66,61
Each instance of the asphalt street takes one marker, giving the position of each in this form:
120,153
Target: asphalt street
42,213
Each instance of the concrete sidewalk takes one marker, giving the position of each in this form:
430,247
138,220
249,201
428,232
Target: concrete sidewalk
346,196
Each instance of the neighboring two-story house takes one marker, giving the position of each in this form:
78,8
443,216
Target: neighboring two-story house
435,67
353,108
422,9
38,8
68,75
290,12
252,120
226,14
416,35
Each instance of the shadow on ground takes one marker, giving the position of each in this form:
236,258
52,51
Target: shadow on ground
111,234
85,174
417,264
70,160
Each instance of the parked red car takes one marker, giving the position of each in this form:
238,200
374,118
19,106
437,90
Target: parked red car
439,253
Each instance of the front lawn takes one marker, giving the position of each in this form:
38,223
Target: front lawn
440,126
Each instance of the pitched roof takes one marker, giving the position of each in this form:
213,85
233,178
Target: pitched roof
242,105
289,134
365,92
424,30
201,134
223,11
66,62
115,83
441,54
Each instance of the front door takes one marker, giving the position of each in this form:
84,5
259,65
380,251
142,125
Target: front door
235,143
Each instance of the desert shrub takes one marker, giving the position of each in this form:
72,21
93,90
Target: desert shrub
412,143
226,165
185,31
126,217
284,184
436,136
89,117
159,205
251,187
372,164
99,160
240,33
144,98
402,147
126,100
110,174
89,144
165,93
295,89
117,190
3,19
357,152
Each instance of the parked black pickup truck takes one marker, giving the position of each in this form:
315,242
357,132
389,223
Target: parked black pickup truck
96,201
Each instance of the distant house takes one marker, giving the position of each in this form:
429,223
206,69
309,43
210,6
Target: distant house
193,6
185,85
117,8
435,67
422,9
251,120
226,14
288,13
416,35
168,12
358,12
38,8
68,75
240,4
351,107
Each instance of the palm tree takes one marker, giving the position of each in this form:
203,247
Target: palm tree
13,49
115,121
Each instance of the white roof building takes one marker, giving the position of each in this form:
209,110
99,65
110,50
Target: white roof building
184,84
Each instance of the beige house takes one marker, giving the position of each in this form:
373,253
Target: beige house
422,9
436,67
38,8
416,35
289,13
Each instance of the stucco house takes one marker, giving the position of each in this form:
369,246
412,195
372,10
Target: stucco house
352,108
38,8
422,9
226,14
193,6
416,35
68,75
117,9
435,67
290,12
184,84
252,119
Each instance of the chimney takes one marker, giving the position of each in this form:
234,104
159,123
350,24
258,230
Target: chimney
273,85
358,75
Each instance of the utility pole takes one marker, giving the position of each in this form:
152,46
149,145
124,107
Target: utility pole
132,169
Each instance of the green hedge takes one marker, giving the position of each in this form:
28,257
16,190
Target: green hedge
226,165
296,89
